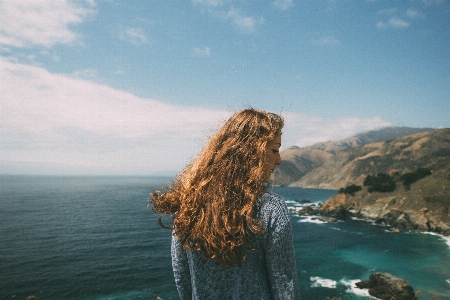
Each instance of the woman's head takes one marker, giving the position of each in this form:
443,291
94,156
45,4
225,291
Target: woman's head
273,157
213,200
239,147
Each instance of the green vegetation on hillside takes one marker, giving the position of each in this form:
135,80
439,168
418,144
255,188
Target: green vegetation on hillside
307,166
350,161
351,189
411,177
382,183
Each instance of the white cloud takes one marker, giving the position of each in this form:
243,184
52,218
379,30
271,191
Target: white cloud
327,41
88,74
433,2
60,124
209,3
304,130
27,23
55,123
202,52
393,22
396,22
283,4
228,12
387,11
135,36
413,14
245,24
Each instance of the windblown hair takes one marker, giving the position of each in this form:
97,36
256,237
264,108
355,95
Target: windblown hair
212,202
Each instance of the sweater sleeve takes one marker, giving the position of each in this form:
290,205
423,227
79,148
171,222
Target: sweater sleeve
279,251
180,265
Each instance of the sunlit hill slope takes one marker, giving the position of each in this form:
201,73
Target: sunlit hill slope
422,205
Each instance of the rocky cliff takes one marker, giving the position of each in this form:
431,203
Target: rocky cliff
387,286
422,206
298,162
430,149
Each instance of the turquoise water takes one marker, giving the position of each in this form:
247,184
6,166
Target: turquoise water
94,238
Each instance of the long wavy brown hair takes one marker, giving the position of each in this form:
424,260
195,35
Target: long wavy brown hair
212,202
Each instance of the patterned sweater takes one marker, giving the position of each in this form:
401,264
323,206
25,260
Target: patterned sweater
269,272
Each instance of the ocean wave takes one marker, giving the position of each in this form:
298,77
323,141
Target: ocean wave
295,204
371,222
311,219
322,282
294,209
353,289
349,284
445,238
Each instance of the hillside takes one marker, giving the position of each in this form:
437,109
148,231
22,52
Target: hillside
297,162
421,205
425,206
429,149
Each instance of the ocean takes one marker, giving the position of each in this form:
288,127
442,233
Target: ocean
94,238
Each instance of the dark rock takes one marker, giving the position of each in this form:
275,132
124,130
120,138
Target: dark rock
306,211
408,214
387,286
363,284
304,201
392,216
421,206
338,212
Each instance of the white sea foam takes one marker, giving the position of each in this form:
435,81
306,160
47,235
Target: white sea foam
445,238
448,281
294,207
322,282
293,204
350,285
353,289
299,204
371,222
432,233
311,219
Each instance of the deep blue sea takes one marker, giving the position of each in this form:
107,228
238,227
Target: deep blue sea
94,238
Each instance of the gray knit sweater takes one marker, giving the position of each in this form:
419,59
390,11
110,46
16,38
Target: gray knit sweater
269,272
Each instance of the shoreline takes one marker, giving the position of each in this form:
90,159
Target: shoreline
319,219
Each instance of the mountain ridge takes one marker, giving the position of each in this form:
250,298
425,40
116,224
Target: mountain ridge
420,203
297,162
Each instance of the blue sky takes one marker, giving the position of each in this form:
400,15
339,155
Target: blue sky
136,87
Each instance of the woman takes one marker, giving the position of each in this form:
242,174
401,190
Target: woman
232,239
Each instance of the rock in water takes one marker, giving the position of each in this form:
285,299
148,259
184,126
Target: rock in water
306,211
386,286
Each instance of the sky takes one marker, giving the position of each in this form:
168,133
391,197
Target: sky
111,87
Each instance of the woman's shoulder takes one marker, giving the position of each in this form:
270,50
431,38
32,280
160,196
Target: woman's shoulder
271,202
269,196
